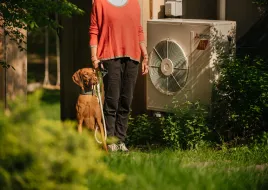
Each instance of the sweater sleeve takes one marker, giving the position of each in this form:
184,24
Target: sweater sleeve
94,25
141,34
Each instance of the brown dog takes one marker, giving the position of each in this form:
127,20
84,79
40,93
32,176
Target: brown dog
87,106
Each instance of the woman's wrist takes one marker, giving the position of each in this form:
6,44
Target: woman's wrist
94,58
145,56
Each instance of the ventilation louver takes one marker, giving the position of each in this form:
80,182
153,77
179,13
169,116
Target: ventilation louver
168,67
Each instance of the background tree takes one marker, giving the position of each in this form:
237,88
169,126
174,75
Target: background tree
46,79
32,15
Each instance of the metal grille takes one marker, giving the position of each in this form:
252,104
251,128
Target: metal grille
168,67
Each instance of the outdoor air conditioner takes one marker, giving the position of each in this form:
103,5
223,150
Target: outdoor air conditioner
181,60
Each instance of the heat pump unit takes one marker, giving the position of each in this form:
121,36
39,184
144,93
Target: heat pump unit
181,60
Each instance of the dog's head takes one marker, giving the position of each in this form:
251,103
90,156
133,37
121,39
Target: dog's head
85,78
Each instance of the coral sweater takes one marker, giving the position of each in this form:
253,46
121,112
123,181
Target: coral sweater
116,30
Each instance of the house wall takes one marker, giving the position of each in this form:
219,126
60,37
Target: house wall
199,9
75,51
244,12
75,54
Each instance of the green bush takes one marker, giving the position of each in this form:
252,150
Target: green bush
260,2
241,96
183,127
143,130
37,153
186,127
260,141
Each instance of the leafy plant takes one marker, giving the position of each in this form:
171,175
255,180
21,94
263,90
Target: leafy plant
37,153
260,140
260,2
143,130
241,95
186,127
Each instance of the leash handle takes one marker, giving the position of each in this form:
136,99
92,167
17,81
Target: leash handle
102,70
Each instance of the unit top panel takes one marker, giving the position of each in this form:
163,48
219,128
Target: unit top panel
192,21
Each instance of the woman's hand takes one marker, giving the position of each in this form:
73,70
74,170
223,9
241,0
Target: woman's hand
145,66
145,58
95,63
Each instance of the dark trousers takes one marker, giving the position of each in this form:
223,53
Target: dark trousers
119,86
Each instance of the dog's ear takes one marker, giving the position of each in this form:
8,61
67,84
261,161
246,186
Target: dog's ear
77,79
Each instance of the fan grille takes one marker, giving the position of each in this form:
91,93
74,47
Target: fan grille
168,67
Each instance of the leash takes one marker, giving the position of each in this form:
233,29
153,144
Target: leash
100,74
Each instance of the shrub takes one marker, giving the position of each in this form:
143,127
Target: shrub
143,130
241,96
36,153
186,127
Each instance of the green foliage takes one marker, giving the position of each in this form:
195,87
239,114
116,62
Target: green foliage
260,140
37,153
32,15
241,95
143,130
186,127
260,2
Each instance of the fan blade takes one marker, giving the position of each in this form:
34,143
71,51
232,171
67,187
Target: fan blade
160,84
181,76
180,68
158,54
155,60
153,66
161,48
176,80
167,48
176,54
167,84
171,84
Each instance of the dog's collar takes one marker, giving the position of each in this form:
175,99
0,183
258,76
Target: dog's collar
89,92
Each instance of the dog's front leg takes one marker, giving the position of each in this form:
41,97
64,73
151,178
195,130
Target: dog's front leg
80,108
80,125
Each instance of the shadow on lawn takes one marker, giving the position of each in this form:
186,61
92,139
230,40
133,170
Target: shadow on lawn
50,96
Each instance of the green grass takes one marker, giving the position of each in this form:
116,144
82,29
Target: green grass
50,103
203,169
237,168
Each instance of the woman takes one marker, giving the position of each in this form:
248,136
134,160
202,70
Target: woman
117,40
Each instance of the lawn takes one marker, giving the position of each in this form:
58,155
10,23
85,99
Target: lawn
206,168
203,169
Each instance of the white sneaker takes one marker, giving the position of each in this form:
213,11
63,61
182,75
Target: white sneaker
113,147
122,147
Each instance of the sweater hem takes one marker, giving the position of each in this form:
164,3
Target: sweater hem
120,56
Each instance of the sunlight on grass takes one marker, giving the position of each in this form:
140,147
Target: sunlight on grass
205,168
50,103
188,170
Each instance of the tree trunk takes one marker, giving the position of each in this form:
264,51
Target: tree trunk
58,54
46,80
